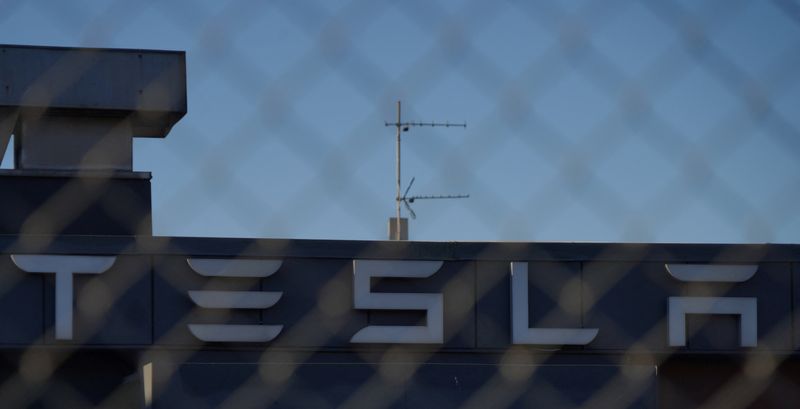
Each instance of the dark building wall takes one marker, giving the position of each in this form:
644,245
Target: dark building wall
141,305
68,203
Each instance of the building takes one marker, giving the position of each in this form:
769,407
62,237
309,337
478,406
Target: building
95,311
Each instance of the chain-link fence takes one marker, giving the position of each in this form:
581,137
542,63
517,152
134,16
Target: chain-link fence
621,121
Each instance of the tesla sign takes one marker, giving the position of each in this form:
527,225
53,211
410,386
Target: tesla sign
65,267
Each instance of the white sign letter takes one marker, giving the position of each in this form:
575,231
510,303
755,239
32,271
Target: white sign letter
211,267
432,304
63,267
522,334
745,307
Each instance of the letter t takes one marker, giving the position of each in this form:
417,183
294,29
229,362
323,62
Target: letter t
63,267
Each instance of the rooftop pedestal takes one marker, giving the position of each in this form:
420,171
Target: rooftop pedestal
73,113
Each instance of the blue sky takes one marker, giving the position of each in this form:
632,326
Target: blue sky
587,121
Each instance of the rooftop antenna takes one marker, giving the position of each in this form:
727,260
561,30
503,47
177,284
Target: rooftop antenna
405,199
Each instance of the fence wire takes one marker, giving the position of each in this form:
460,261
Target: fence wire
629,121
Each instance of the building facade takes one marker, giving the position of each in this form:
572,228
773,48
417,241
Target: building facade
97,312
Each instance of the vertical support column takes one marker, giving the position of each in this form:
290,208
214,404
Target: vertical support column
63,305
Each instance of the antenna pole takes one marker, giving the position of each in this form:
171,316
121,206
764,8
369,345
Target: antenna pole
397,199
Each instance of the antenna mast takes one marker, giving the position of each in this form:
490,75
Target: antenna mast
405,199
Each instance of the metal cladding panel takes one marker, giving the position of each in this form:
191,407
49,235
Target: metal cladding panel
201,385
420,386
81,380
21,305
691,382
526,386
628,302
74,204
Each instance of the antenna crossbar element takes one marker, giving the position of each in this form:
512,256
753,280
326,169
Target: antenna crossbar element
413,198
407,200
431,124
